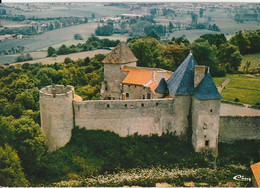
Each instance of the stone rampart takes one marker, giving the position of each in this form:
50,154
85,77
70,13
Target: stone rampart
154,116
238,128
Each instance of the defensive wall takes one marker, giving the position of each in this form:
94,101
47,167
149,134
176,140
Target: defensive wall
60,113
126,117
239,128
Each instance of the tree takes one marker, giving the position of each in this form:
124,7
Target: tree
205,55
229,57
148,51
213,39
27,139
201,12
182,40
194,18
67,60
153,11
93,15
105,30
154,34
11,173
242,42
246,66
28,57
171,26
51,51
78,36
26,99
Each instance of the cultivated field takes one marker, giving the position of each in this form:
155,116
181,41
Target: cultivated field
12,58
45,10
50,38
60,58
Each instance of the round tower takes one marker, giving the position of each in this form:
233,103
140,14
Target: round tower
56,110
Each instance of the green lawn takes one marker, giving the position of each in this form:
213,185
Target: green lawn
244,96
243,87
218,80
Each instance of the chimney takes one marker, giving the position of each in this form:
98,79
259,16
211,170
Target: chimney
199,74
153,79
161,74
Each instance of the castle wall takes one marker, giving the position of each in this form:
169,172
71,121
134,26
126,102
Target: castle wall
146,117
56,115
239,128
181,113
205,124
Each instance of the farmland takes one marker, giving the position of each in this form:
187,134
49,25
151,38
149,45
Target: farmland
50,38
60,58
222,15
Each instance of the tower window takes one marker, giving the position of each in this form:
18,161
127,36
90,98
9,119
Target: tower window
205,126
148,95
207,143
157,104
142,104
125,105
211,110
108,106
127,94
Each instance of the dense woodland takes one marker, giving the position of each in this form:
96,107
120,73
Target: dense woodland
24,159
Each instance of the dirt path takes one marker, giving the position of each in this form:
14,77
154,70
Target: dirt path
223,84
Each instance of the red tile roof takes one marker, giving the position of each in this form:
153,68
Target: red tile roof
137,76
256,172
143,77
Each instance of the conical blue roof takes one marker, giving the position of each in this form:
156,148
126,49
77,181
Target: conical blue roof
182,80
161,88
207,90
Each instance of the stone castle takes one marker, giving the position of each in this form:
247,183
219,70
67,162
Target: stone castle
141,100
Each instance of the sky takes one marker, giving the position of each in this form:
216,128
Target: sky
152,1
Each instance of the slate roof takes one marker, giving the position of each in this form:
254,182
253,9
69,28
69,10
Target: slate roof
206,89
121,54
256,172
182,80
162,86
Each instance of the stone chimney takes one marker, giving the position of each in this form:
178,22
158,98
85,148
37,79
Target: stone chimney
199,74
153,79
161,74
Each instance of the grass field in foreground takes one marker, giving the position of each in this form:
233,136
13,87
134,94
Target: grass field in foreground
243,87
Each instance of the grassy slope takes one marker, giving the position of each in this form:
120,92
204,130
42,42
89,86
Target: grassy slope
253,58
243,87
